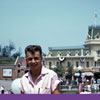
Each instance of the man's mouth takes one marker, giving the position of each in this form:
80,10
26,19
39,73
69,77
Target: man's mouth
34,65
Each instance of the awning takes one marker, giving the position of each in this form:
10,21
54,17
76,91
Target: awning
89,74
78,74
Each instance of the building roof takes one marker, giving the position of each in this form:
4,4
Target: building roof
7,60
66,47
92,37
94,31
69,51
12,61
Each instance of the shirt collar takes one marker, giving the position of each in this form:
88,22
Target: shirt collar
43,72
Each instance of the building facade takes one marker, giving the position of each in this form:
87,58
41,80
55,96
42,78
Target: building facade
11,68
86,56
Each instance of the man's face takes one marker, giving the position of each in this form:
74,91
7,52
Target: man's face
34,61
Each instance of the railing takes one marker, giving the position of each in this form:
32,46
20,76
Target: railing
69,89
84,69
96,69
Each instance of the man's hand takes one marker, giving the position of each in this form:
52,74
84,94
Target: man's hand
57,90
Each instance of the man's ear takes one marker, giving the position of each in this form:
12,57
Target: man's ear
41,58
26,60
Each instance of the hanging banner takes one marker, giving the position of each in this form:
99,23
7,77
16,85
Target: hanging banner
82,60
61,58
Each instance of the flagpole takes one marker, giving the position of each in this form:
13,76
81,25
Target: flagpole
95,17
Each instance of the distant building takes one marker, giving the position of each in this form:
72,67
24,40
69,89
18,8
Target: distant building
11,68
87,56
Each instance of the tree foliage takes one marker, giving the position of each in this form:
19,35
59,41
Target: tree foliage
69,71
59,70
17,54
7,50
11,46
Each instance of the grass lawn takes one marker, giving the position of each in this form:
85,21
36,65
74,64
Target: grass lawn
69,92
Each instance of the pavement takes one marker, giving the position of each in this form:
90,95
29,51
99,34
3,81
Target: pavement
6,84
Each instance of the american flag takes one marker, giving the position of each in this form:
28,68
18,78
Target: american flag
95,15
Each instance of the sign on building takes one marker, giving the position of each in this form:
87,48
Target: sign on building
7,72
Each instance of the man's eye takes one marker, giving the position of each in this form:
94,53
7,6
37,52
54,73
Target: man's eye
29,59
36,58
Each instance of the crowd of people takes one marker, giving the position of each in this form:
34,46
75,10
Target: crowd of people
84,86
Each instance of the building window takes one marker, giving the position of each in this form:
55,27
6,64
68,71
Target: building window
58,64
98,52
19,64
68,53
77,64
26,71
50,64
68,64
59,53
43,63
87,64
50,54
76,53
98,63
95,64
87,53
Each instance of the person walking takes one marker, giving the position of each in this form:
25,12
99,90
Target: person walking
2,89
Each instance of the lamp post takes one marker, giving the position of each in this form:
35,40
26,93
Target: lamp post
79,79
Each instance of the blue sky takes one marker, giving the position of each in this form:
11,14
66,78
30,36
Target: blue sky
48,23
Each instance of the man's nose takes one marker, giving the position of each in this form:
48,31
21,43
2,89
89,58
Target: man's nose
33,60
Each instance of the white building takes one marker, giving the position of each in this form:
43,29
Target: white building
87,56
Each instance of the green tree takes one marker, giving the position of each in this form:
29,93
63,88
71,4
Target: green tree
18,53
11,47
5,51
69,72
0,50
59,70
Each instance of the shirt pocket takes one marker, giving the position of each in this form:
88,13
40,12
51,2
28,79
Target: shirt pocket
45,90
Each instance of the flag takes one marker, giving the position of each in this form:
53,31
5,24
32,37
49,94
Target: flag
95,15
61,58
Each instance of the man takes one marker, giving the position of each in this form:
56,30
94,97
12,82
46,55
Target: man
39,80
2,89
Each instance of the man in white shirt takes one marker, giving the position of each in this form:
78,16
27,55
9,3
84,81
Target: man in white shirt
2,89
39,80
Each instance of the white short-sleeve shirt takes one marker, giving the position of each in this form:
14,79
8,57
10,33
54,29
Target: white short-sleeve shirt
46,82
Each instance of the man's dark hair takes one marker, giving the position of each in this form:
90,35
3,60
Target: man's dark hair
32,49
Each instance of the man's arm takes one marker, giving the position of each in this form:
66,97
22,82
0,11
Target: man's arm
22,92
57,90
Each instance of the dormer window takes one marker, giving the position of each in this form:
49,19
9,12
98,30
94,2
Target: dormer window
58,53
97,36
50,54
88,37
19,64
76,53
98,52
68,53
87,53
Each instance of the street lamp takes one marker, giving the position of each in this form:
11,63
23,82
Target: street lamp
79,79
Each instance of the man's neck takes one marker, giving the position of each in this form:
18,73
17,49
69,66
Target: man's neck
35,73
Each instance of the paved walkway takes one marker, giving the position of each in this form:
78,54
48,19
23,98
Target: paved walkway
6,84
